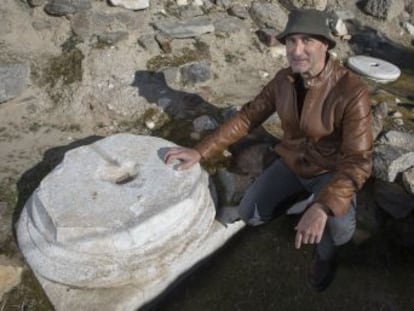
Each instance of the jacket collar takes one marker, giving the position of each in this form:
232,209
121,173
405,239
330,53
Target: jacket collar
320,78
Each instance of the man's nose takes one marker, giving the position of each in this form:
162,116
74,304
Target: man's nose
297,48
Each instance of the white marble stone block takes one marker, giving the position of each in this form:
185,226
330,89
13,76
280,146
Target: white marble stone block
113,214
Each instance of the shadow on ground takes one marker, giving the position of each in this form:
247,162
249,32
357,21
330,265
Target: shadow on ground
177,104
260,270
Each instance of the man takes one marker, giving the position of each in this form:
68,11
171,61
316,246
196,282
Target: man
326,148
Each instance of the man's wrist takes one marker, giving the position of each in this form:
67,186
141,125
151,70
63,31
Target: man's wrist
326,209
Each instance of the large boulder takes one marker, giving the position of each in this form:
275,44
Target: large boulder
394,154
268,15
113,213
114,217
383,9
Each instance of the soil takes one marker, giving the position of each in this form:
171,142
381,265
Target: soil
261,270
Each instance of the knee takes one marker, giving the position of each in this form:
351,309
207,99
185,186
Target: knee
342,235
342,228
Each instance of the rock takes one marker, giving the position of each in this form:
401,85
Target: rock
196,73
114,218
231,186
182,2
383,9
264,74
252,155
389,161
190,11
409,6
148,42
339,28
131,4
398,121
374,68
344,14
10,275
393,199
35,3
228,24
88,23
379,113
396,115
238,11
225,4
65,7
278,51
130,298
409,28
172,75
398,139
204,123
408,180
85,24
269,15
155,118
111,38
311,4
13,80
268,36
380,110
187,28
164,42
106,202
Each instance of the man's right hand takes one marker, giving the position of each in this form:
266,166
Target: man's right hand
187,157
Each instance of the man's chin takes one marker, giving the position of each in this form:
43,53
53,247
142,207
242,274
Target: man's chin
299,69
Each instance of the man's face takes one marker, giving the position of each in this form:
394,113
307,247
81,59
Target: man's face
306,54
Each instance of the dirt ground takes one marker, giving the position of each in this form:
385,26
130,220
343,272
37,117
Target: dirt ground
261,270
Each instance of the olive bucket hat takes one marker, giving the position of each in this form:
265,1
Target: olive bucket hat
311,22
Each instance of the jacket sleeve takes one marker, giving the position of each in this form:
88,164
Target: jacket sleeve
355,162
250,116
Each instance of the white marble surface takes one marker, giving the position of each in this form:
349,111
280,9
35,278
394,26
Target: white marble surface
112,226
374,68
133,296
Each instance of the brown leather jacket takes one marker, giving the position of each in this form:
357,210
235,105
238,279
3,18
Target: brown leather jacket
333,133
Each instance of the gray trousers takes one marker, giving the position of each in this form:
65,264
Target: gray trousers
263,200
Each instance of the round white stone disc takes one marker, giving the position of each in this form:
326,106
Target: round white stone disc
374,68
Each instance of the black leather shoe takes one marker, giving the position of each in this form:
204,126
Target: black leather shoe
322,272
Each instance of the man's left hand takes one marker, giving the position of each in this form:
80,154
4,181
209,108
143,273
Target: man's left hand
310,228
